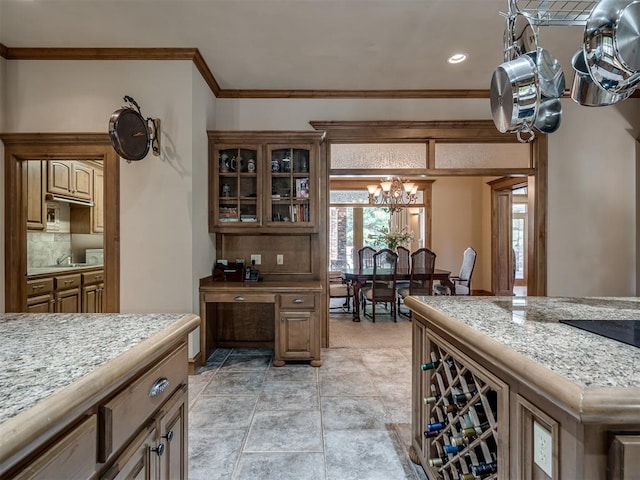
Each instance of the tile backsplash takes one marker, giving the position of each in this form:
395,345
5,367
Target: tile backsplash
44,249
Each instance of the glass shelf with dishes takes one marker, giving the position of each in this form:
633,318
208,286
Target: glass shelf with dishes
236,186
290,185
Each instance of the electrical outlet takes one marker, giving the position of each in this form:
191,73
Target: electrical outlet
542,448
256,258
280,259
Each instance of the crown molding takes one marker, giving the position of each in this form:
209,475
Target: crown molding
354,94
196,57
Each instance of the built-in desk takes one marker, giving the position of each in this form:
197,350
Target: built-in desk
280,315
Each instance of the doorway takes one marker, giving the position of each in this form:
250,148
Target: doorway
20,148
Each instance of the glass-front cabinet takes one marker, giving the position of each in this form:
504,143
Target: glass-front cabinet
266,181
290,185
236,187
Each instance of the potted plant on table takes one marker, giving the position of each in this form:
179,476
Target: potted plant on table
391,239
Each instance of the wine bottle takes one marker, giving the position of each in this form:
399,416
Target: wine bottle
438,461
462,398
428,434
430,365
484,469
466,476
432,399
437,426
459,441
451,408
475,430
453,449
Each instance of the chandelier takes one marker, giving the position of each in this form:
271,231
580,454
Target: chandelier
393,193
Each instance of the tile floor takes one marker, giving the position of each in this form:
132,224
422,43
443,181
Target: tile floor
347,420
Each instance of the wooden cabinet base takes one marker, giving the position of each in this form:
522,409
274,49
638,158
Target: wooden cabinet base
279,315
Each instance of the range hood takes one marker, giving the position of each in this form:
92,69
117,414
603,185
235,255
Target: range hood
50,197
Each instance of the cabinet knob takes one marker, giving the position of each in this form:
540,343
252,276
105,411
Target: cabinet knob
168,436
159,386
239,298
159,449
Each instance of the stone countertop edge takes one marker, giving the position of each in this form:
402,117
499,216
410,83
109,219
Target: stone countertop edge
611,405
53,414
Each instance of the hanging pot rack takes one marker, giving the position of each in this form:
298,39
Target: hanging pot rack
554,12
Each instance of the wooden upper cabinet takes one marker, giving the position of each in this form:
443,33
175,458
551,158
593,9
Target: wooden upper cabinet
263,182
97,214
70,179
36,184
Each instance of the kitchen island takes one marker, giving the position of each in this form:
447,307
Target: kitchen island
93,395
501,386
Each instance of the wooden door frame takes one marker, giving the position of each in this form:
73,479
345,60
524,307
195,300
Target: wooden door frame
21,147
471,131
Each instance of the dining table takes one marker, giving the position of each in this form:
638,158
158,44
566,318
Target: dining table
359,277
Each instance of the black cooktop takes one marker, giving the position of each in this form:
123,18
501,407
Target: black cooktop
626,331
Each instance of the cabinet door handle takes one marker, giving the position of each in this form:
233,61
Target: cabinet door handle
168,436
297,300
239,298
159,386
159,449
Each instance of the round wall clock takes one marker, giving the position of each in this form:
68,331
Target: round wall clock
129,132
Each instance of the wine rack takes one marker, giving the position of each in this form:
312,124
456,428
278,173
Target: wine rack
458,428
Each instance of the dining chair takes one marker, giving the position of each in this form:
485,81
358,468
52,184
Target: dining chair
461,282
365,261
383,286
404,268
423,264
339,289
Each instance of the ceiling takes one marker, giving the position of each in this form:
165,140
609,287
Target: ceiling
351,45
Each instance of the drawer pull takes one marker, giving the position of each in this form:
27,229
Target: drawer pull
159,386
168,436
239,298
37,287
68,282
297,300
98,277
159,449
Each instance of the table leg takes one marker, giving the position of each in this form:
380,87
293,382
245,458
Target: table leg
356,300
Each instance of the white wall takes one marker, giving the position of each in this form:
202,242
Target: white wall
592,203
158,205
458,215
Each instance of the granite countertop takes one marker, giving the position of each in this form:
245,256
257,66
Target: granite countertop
523,334
42,354
80,267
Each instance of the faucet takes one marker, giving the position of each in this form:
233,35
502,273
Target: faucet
64,257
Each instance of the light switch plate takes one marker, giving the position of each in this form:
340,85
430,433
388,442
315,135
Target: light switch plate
542,448
256,258
280,259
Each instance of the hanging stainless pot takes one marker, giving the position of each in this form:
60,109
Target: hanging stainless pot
520,36
612,45
585,91
550,75
515,95
549,115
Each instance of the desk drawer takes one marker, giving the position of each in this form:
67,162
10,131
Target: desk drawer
38,287
122,416
65,282
302,301
242,298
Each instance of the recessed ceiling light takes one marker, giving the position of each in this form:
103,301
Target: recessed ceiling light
457,58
